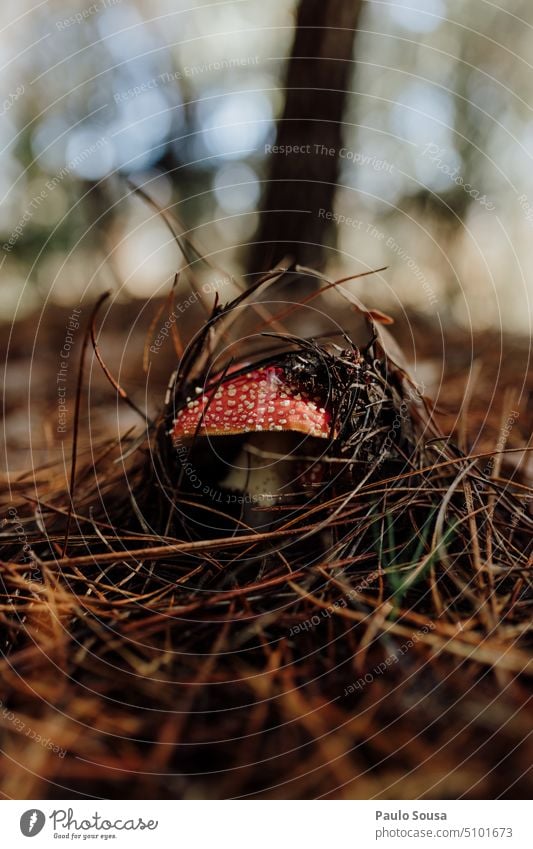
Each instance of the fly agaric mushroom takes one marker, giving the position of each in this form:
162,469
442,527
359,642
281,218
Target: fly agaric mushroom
266,407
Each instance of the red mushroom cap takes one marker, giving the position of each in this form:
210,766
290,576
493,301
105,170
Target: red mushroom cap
260,400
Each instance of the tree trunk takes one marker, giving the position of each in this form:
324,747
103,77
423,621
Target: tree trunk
302,183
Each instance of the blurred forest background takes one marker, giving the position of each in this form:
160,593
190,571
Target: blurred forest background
433,163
